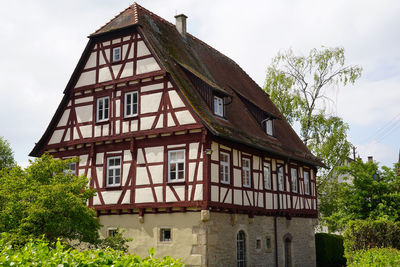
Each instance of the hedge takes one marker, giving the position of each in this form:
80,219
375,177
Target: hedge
381,257
330,250
366,234
41,253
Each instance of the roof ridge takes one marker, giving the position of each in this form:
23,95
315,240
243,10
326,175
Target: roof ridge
155,15
134,11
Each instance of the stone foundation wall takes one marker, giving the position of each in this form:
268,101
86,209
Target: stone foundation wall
209,238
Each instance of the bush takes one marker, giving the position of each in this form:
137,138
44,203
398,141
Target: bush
376,257
330,250
38,252
363,235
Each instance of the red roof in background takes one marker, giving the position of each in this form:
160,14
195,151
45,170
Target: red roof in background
176,53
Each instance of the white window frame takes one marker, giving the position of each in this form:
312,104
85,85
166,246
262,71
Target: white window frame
176,162
114,168
269,127
225,168
162,239
267,176
72,168
294,179
114,53
105,111
218,103
132,104
281,178
306,184
246,171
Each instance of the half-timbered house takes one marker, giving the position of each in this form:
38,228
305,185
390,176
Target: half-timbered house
187,153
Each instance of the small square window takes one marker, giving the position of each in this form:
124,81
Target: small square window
218,106
116,54
165,235
112,232
71,168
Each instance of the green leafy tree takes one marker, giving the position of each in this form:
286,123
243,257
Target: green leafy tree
45,200
370,194
6,154
300,86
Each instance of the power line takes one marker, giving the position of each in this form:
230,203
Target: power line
384,129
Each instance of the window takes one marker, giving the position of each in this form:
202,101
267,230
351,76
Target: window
268,244
288,252
131,104
306,176
267,176
165,235
293,173
112,232
224,168
176,165
241,249
114,171
218,106
281,180
258,243
246,172
71,168
116,54
103,107
268,124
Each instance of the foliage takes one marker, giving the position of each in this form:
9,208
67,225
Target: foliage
375,257
329,250
6,154
39,252
116,242
366,234
45,200
364,197
299,86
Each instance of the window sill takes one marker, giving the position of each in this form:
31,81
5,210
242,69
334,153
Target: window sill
176,182
130,117
111,188
102,122
225,183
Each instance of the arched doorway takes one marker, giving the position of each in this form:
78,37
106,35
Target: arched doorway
241,249
288,251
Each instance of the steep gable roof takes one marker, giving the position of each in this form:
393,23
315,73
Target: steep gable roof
178,55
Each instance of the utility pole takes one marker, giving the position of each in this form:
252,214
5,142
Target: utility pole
354,153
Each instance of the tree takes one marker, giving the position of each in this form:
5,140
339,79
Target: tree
370,194
6,154
300,86
45,200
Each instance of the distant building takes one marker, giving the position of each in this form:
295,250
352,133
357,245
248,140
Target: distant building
187,153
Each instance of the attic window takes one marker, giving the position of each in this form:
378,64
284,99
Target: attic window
268,126
116,54
218,106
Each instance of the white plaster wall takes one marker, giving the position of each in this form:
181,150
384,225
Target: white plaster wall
86,131
143,195
214,173
128,70
84,100
176,100
154,154
152,87
111,197
157,173
237,177
142,49
214,193
184,117
146,65
56,137
150,103
104,75
146,122
64,118
142,177
91,63
84,113
86,78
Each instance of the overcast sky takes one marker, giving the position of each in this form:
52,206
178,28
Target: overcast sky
42,41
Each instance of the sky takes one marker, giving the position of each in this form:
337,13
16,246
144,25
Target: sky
42,41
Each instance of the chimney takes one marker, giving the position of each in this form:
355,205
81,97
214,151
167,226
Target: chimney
180,24
370,158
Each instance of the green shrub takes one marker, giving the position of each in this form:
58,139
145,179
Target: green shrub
382,257
363,235
330,250
40,253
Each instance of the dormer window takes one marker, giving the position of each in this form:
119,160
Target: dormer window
219,106
116,54
269,127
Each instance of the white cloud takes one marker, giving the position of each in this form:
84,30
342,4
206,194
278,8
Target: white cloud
384,154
